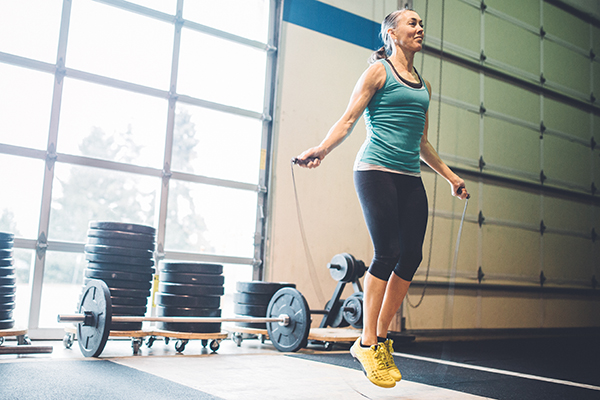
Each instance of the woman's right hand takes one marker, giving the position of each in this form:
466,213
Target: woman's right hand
311,158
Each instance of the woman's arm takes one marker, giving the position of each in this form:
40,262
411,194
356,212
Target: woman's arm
431,158
370,81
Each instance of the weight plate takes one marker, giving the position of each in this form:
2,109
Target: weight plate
136,269
7,307
353,310
262,287
249,309
126,326
8,280
7,236
130,244
128,292
7,298
165,299
4,271
118,275
128,310
252,325
113,259
114,283
192,279
96,300
129,301
8,289
256,299
205,327
293,336
191,267
192,290
6,314
6,253
7,324
187,312
336,315
120,235
118,251
122,226
6,262
6,244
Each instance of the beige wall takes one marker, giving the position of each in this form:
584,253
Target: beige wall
317,75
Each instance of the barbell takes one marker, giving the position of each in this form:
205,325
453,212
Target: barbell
288,319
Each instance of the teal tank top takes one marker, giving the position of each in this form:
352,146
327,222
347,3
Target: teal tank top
395,119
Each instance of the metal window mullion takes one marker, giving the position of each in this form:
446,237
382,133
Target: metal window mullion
182,176
181,98
513,120
106,164
208,258
512,20
265,171
567,90
513,70
27,63
138,9
224,35
567,45
22,151
37,272
456,103
170,131
567,136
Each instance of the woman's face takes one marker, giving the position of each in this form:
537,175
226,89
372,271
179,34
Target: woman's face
408,33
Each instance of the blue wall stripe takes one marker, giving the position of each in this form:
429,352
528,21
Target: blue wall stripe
332,21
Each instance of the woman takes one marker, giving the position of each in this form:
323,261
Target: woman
394,100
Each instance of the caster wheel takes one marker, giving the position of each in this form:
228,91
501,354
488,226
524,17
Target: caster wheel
68,340
214,345
167,340
204,343
150,341
23,339
180,345
135,345
237,339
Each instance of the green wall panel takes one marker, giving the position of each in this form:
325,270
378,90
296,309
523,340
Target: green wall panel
511,205
566,26
460,83
566,67
512,45
459,132
527,11
511,146
511,100
461,25
567,119
567,161
567,257
570,215
510,251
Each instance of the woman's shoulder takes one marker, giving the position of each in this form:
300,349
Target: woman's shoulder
376,74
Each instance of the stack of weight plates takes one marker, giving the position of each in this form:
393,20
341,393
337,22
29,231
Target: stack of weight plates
8,286
252,300
190,289
122,255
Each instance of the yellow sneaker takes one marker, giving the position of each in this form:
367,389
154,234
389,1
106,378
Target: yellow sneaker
372,360
389,361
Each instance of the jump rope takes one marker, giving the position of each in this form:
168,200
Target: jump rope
312,269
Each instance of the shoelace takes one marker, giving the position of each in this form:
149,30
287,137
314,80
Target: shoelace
381,357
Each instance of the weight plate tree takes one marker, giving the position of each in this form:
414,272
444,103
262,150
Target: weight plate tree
8,279
288,319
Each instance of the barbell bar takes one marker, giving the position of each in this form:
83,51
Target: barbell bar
288,319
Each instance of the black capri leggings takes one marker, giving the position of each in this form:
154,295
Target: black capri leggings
395,210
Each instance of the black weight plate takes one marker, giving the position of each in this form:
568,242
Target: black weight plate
7,323
7,236
6,253
113,259
262,287
118,251
120,235
337,320
7,307
8,289
354,317
126,326
6,262
249,309
128,292
129,301
187,312
252,325
117,275
4,271
135,269
191,267
130,244
8,280
294,336
192,279
113,283
190,327
122,226
7,298
6,314
192,290
174,300
128,310
256,299
93,337
6,244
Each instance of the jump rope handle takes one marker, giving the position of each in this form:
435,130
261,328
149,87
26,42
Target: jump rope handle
298,161
460,190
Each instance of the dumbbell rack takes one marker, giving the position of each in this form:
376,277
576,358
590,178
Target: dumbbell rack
212,340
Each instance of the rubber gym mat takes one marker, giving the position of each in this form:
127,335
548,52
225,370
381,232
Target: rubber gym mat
87,379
